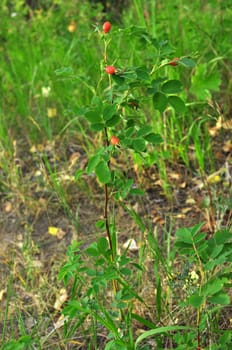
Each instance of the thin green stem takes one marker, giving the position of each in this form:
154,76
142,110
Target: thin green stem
106,204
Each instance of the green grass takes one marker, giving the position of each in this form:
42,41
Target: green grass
37,133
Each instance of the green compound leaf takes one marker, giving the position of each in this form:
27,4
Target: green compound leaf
213,286
109,111
153,138
223,236
187,62
184,235
172,86
97,126
93,116
102,245
177,103
119,80
103,172
144,130
160,101
142,73
220,298
92,250
93,162
196,300
139,145
113,121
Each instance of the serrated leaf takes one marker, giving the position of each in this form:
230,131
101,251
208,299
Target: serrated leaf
100,224
187,62
184,235
97,126
139,145
196,300
222,236
118,79
103,172
93,162
93,116
220,298
129,131
127,142
199,237
142,73
137,192
113,121
172,86
213,287
125,188
102,245
153,138
129,74
217,250
160,101
109,111
144,130
96,103
92,250
177,103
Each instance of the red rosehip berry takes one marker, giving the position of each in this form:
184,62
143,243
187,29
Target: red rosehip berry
106,27
174,62
110,70
114,140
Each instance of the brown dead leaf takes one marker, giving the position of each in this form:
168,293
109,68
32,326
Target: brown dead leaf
61,233
37,264
2,294
174,176
213,131
8,207
227,124
186,210
158,220
180,216
74,159
190,200
33,149
227,147
60,299
131,245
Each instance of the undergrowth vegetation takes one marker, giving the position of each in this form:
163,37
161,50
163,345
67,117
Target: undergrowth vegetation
115,175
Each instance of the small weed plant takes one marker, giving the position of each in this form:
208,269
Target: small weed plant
104,295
